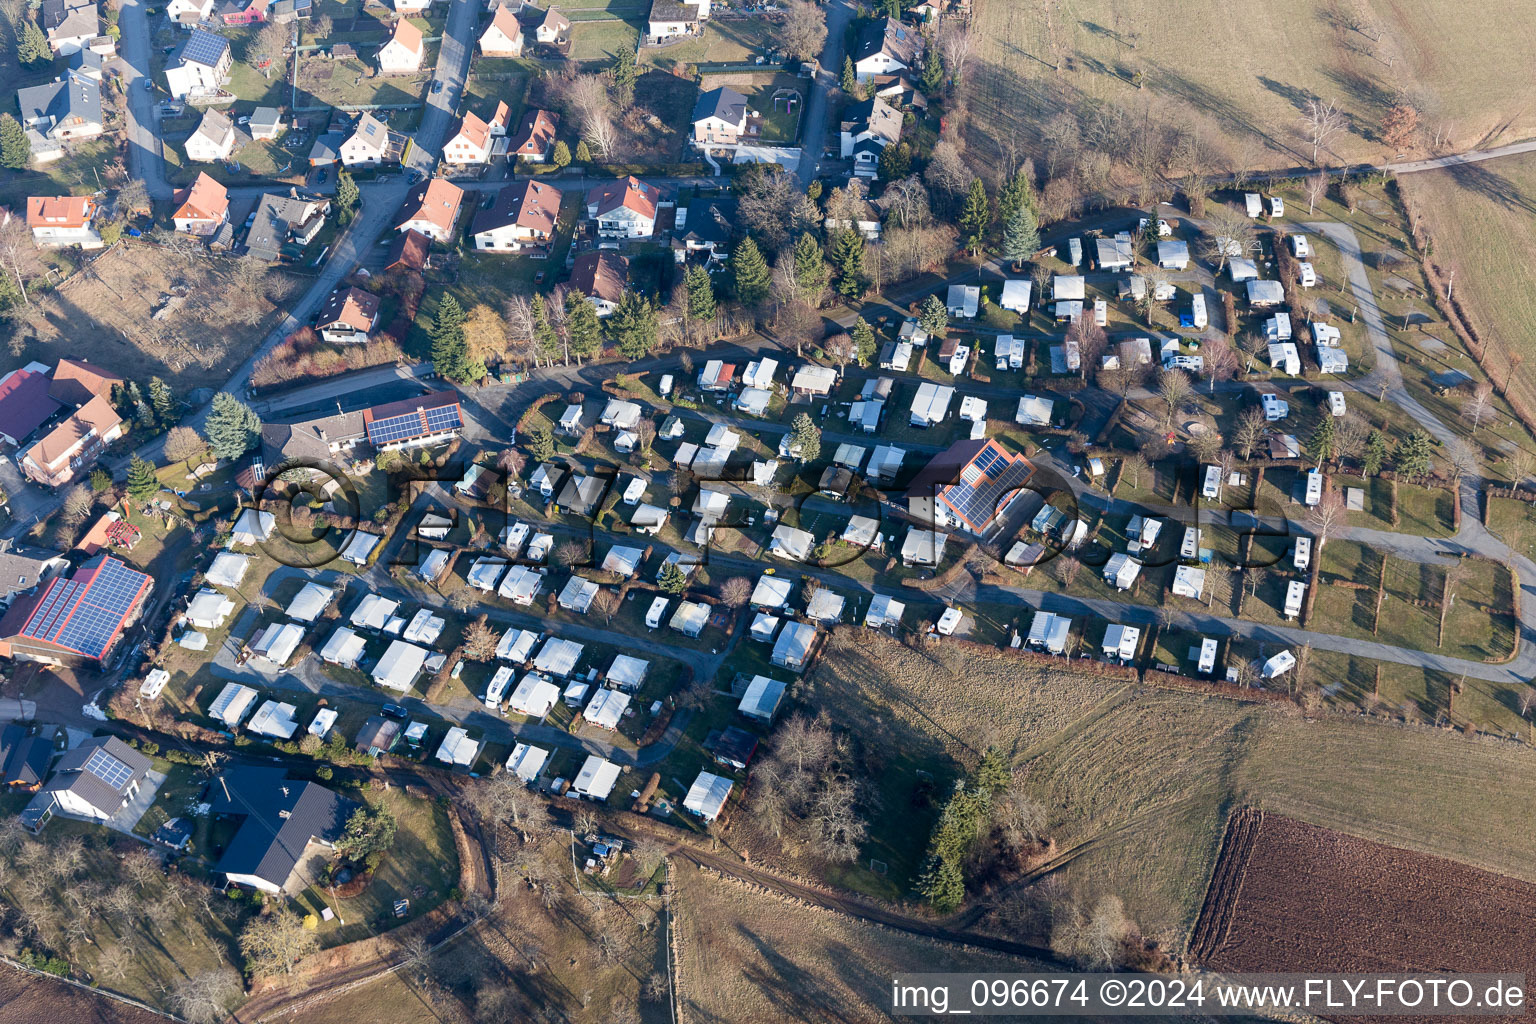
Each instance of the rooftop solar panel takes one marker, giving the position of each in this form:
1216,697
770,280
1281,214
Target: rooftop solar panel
85,613
108,769
416,423
204,48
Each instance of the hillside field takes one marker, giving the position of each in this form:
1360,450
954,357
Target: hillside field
1482,220
1138,780
1242,70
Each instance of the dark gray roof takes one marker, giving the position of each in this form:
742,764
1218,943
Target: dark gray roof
673,10
267,117
276,217
68,18
890,35
725,103
71,774
710,220
281,816
308,440
21,567
326,147
581,494
23,758
61,101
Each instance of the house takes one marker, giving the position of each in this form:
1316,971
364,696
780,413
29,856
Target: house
1015,296
771,592
457,749
243,12
884,611
403,53
399,666
719,118
813,380
885,46
535,139
69,25
578,594
624,209
1285,359
284,224
431,208
208,609
581,495
322,439
201,67
378,736
930,405
310,602
671,19
283,821
201,208
1049,632
558,656
504,36
344,647
521,584
274,719
1173,255
71,448
485,572
370,144
276,643
761,700
1115,253
265,123
534,697
1120,643
793,648
414,422
607,708
1034,411
601,275
923,547
624,561
866,128
253,527
707,796
964,299
63,221
690,618
795,545
93,781
471,143
1188,581
1332,360
359,546
1121,570
22,568
215,139
232,704
24,759
596,779
968,486
348,316
553,28
1265,293
1275,408
627,673
25,403
705,225
64,109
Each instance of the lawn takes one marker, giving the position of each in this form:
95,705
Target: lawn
350,82
734,41
1515,522
75,173
770,96
600,40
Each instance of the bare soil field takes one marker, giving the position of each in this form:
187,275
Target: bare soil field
1239,73
1138,781
1482,220
29,999
749,955
1295,897
142,311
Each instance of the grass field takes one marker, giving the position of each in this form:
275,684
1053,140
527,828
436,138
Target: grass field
1243,74
1481,220
723,42
747,955
1138,781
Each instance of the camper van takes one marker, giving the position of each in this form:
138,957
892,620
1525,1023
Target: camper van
1075,251
1197,317
1294,592
1252,204
1210,484
1303,556
1314,487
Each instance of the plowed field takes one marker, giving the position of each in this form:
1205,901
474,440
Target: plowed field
1289,896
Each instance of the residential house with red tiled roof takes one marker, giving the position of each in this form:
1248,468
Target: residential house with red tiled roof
504,36
201,207
408,252
70,449
432,208
471,143
63,220
625,209
76,381
403,53
349,316
75,619
523,217
535,138
24,404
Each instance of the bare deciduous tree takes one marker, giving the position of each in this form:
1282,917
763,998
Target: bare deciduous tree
1521,463
276,944
1326,517
1478,409
1227,233
954,46
802,30
1321,122
1095,939
735,592
205,997
906,202
1462,457
1173,388
1317,187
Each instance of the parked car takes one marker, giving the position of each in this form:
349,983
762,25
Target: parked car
394,711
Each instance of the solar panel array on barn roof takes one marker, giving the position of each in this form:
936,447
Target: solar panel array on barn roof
84,614
403,421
